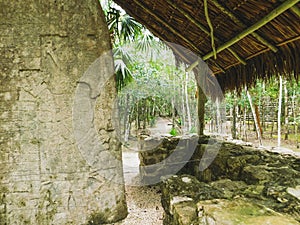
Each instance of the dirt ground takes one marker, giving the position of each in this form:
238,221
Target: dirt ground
144,206
143,202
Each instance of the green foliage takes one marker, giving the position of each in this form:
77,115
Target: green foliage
173,132
152,121
193,130
123,27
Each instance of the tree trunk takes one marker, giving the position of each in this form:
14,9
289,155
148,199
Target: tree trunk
254,117
138,115
279,113
189,122
258,119
263,108
218,116
294,108
144,110
286,112
272,128
233,128
127,119
183,106
244,123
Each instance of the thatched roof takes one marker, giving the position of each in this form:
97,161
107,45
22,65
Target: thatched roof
253,38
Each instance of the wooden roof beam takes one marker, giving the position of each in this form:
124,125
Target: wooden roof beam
273,14
296,10
201,27
164,23
240,23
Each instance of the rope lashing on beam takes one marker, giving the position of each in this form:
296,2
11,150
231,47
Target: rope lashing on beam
211,29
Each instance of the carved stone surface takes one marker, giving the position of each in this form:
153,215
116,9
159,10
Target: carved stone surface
60,159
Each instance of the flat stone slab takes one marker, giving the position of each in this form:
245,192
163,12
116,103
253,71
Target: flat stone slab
237,212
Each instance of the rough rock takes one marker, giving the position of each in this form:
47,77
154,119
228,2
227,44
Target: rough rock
220,170
219,202
60,161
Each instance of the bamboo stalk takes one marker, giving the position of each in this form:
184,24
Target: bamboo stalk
237,56
238,22
289,41
211,28
164,23
296,10
220,67
264,41
273,14
201,27
261,52
187,15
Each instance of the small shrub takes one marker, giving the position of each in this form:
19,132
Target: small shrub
173,132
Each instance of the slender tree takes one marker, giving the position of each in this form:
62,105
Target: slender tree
286,111
279,113
254,117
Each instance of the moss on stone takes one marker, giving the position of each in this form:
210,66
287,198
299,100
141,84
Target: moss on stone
109,215
97,218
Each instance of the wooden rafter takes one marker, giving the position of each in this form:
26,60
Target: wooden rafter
166,24
241,24
273,14
296,10
265,50
201,27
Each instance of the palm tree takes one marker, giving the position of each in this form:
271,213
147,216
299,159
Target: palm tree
123,27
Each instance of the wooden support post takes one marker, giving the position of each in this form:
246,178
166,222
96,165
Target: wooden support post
201,76
201,110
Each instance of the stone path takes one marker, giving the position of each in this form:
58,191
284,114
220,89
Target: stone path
143,202
144,206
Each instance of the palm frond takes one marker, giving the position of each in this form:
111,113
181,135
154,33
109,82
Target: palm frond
123,74
121,52
129,28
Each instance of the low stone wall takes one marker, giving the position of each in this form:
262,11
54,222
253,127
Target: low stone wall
229,171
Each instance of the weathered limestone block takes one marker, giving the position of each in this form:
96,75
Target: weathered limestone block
188,201
220,160
178,198
238,211
164,156
60,159
266,177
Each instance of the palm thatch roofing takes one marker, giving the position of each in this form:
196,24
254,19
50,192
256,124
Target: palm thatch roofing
240,40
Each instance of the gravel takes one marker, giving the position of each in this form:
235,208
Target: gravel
144,206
